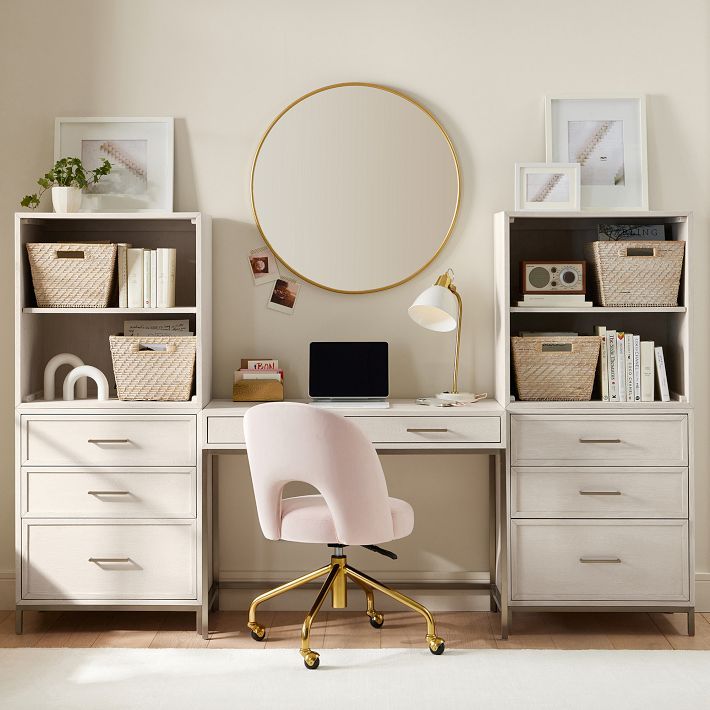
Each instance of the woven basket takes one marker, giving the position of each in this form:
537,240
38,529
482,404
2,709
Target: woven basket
145,374
72,275
636,273
557,368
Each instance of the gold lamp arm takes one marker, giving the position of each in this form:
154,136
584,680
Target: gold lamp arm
454,388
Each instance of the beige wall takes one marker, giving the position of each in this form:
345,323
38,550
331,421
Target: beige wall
224,69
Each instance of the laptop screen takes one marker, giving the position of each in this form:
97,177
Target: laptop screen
348,370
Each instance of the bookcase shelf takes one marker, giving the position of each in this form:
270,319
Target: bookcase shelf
42,332
600,309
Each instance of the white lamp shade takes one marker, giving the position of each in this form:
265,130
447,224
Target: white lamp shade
435,309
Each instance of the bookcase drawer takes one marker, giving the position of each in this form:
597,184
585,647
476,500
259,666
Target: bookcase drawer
594,560
108,493
225,430
599,440
65,559
109,440
596,492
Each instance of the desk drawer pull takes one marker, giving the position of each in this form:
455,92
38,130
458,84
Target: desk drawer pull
103,560
600,493
424,430
108,441
108,493
600,441
600,560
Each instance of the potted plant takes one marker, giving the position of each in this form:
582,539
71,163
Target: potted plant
67,179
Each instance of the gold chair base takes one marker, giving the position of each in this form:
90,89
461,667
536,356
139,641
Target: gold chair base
338,572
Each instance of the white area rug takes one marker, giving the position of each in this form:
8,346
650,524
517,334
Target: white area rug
104,679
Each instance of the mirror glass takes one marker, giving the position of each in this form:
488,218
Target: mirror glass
355,188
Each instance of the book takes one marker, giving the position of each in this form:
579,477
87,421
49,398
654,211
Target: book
611,357
146,278
134,282
629,374
647,371
620,365
156,327
258,375
153,279
661,375
538,300
122,265
637,368
264,364
166,263
600,330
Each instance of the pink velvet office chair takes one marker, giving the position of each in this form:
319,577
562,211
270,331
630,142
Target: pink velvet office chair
297,442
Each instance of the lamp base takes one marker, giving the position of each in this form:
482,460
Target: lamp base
460,396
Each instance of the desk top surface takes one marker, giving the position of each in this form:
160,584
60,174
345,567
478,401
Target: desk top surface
397,408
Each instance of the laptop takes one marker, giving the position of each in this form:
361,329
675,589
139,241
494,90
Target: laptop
349,374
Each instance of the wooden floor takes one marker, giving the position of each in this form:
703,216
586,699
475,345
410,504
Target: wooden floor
351,629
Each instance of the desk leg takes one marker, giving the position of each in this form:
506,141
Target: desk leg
502,579
206,532
214,527
492,527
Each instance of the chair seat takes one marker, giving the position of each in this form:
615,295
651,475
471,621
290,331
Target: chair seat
308,519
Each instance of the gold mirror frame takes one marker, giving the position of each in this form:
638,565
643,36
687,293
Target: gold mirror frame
402,96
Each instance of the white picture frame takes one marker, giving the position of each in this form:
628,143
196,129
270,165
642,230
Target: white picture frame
140,150
547,187
607,136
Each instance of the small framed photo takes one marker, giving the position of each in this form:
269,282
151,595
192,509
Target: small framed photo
547,186
607,137
283,296
140,151
263,265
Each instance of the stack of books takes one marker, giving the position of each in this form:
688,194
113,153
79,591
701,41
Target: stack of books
146,277
554,300
627,368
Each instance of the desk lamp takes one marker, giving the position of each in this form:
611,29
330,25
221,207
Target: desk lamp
439,308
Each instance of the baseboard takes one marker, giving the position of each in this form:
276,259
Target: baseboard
7,590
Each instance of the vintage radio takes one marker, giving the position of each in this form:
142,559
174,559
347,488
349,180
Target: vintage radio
553,277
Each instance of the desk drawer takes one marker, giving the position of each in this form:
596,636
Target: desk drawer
589,440
109,440
94,560
591,492
108,493
430,430
640,560
225,430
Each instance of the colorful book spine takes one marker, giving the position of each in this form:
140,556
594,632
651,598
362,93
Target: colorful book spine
629,357
613,371
621,366
637,368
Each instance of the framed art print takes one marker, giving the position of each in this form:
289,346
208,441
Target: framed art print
607,137
140,151
547,187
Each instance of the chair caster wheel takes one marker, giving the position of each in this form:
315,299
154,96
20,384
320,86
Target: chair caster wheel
377,620
311,660
437,646
258,632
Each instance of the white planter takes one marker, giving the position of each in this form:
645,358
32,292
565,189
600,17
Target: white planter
66,199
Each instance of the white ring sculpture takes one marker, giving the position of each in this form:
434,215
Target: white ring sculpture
84,371
50,372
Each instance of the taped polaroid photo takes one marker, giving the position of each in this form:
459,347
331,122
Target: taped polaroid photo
264,268
283,296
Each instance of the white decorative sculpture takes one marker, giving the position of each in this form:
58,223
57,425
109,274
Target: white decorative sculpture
84,371
50,372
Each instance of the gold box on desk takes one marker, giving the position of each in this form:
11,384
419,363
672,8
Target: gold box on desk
258,391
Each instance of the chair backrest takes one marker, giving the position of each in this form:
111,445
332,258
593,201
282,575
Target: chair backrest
288,441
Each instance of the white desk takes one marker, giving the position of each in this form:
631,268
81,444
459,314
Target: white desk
405,427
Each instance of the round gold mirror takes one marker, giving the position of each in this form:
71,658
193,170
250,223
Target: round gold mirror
355,187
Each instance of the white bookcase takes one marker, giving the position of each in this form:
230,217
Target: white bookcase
108,494
598,496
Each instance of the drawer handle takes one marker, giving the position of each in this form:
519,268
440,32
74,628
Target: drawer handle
101,560
600,493
108,493
600,560
600,441
98,442
424,430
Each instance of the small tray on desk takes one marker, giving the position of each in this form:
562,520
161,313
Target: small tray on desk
258,391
